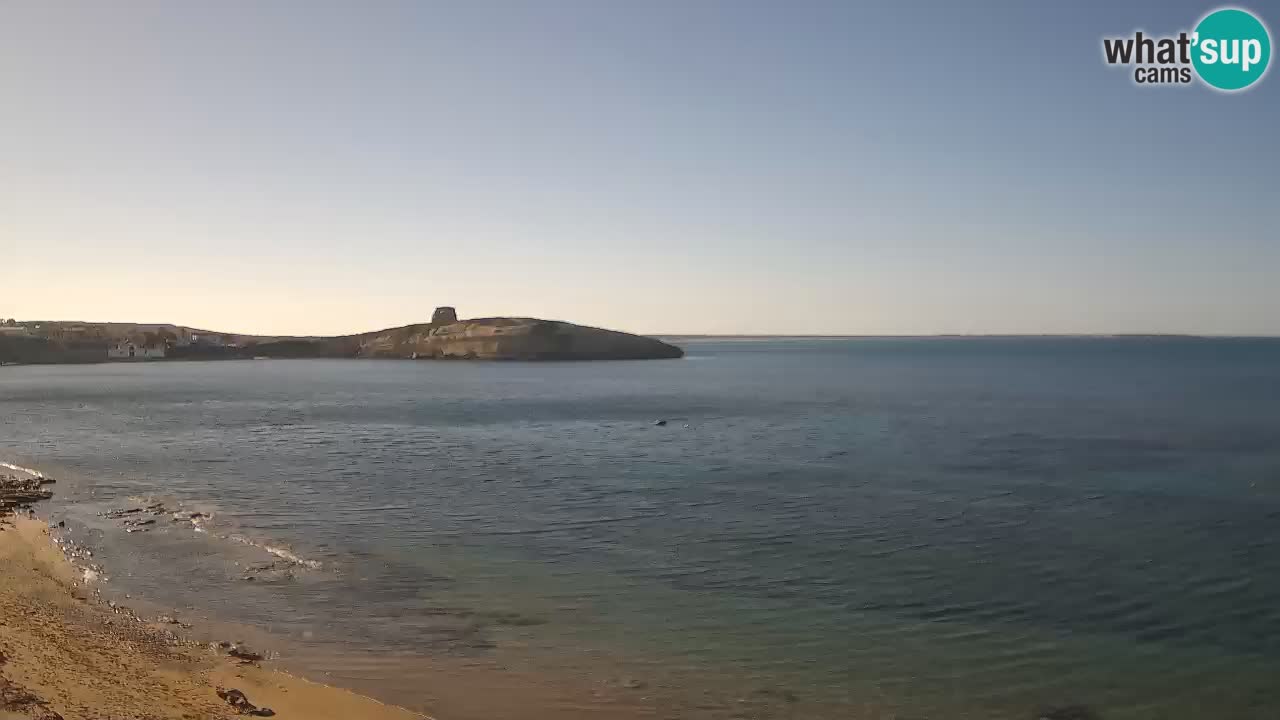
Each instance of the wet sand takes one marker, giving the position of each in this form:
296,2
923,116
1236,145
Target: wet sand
65,655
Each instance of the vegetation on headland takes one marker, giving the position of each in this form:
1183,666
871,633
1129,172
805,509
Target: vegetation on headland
445,337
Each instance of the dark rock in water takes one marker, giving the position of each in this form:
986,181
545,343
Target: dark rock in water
16,492
244,655
240,703
784,695
1069,712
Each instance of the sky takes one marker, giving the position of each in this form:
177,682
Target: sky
653,166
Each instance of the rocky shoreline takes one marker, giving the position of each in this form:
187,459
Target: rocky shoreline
19,493
68,654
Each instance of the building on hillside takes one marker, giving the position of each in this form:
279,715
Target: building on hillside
128,350
209,340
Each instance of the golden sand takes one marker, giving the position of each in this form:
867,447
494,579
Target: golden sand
64,655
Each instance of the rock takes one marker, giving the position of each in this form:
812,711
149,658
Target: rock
17,493
238,701
244,655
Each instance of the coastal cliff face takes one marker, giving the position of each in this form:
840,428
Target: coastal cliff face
510,339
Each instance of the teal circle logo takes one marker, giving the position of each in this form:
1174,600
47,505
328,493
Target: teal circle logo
1231,49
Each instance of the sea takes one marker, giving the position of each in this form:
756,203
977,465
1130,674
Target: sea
905,528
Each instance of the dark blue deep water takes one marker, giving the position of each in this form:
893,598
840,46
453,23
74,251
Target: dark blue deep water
909,528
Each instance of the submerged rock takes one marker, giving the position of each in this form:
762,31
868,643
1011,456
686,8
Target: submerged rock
1069,712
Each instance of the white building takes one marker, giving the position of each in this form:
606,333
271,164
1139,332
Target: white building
209,339
134,351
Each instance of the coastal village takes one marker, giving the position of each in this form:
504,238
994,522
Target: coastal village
34,341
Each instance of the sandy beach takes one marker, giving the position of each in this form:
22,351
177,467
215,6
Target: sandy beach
65,655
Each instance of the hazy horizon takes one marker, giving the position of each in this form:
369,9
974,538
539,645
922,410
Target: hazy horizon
818,168
724,336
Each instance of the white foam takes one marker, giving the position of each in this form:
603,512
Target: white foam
279,552
19,468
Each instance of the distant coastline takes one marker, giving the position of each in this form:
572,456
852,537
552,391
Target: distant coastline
977,336
444,338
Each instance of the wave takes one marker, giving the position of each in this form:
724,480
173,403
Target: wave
18,468
280,552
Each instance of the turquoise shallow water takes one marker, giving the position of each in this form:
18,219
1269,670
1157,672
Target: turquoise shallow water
968,528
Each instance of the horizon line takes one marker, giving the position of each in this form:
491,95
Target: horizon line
761,336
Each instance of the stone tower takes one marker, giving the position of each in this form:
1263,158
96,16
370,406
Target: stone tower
444,315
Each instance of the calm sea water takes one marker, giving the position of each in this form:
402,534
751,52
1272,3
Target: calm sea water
923,528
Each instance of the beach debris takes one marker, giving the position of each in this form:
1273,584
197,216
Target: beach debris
1069,712
240,703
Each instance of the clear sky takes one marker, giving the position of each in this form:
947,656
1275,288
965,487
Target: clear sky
653,166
